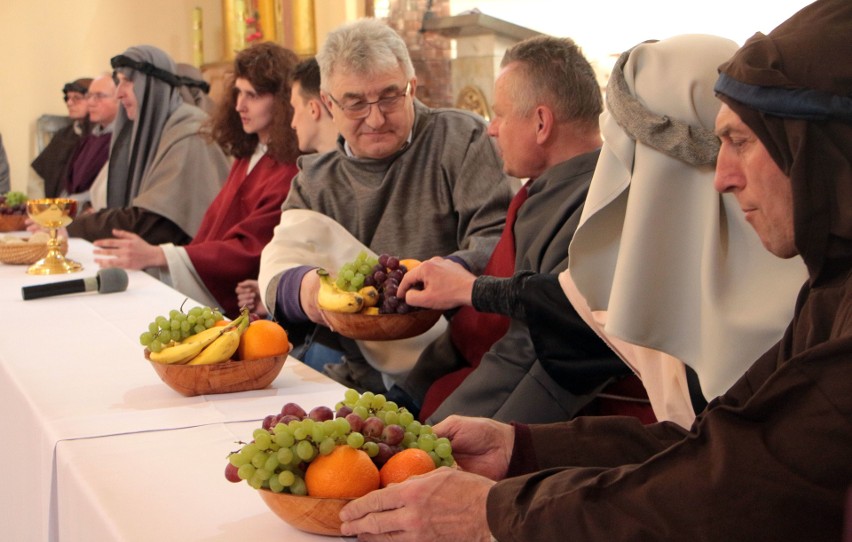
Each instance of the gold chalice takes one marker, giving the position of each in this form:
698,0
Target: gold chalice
53,213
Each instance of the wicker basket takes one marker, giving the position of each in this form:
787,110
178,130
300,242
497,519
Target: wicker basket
27,253
12,223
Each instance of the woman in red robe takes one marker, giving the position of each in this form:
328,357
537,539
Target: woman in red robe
253,125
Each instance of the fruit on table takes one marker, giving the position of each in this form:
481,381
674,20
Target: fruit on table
331,298
407,463
213,345
262,339
225,345
285,447
13,203
187,349
344,473
178,326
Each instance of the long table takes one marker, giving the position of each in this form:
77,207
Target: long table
96,447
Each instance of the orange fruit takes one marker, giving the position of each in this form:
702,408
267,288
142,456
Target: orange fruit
222,322
345,473
409,462
409,263
262,339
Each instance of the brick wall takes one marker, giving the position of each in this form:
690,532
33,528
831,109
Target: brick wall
430,53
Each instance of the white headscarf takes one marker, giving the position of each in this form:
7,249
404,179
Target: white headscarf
669,268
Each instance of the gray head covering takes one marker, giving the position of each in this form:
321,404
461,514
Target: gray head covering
135,142
667,265
195,90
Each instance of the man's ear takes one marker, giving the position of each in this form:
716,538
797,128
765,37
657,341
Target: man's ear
316,108
544,120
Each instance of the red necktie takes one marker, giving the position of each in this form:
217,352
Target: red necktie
474,332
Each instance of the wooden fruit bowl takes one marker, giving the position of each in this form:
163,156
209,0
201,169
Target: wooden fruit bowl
309,514
227,377
12,223
381,327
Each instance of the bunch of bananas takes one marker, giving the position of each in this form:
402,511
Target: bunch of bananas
214,345
333,298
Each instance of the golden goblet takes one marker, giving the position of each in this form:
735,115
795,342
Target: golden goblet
53,213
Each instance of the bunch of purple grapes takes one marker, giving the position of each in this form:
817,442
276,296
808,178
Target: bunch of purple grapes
13,204
385,277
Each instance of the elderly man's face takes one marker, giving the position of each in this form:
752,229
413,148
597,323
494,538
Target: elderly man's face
763,191
387,124
101,101
515,134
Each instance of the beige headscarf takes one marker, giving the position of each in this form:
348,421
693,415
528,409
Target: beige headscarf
665,268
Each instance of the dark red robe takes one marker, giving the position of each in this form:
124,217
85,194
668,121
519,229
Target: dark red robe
238,225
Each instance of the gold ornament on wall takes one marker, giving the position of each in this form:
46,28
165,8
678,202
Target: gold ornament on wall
471,98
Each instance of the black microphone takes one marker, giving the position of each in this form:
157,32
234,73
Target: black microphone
106,281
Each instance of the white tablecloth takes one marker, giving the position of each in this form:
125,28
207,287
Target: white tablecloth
71,367
163,486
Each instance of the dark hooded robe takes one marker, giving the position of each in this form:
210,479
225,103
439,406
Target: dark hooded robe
771,459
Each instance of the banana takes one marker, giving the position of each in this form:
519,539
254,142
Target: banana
332,298
224,346
219,350
177,353
188,348
370,295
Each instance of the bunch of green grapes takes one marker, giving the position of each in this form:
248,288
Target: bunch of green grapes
14,198
178,326
286,443
352,275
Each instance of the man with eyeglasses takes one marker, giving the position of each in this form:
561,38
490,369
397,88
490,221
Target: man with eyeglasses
405,179
90,156
52,163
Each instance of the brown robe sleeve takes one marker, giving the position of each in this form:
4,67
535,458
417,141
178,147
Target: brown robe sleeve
153,228
769,460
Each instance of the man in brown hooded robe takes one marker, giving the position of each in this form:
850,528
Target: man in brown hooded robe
771,459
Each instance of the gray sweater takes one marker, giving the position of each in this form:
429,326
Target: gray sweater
443,194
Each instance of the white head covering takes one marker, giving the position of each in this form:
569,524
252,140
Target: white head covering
662,260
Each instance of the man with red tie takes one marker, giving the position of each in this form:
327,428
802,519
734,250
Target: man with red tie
546,107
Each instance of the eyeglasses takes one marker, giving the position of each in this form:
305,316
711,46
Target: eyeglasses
361,110
98,96
74,98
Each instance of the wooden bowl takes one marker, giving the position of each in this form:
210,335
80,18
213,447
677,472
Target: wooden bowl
227,377
309,514
12,223
381,327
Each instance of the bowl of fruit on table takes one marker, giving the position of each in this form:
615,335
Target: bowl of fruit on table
307,465
13,211
200,353
361,302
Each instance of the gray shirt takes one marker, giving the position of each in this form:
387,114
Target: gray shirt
443,194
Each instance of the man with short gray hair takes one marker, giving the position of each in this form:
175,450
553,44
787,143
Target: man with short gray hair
405,179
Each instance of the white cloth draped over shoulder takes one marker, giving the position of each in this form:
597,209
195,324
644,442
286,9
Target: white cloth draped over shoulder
666,269
306,237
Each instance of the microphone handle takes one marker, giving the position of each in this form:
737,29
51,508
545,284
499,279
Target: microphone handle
60,288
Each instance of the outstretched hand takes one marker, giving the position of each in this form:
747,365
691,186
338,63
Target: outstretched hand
128,251
445,504
437,283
